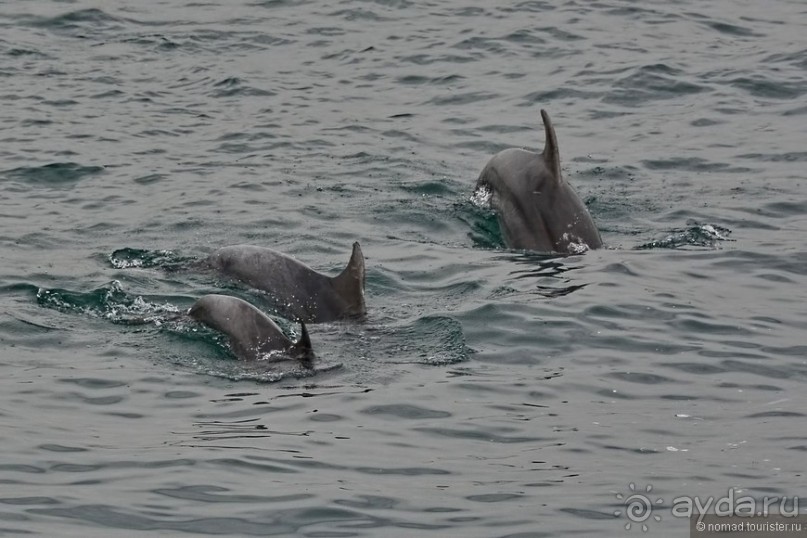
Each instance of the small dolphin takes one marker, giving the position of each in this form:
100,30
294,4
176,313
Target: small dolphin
252,334
537,209
298,291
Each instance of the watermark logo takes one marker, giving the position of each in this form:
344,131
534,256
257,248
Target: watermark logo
638,507
734,505
641,507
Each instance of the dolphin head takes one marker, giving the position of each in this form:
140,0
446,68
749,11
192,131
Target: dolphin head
537,209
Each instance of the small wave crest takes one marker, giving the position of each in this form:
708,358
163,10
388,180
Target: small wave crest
258,372
434,340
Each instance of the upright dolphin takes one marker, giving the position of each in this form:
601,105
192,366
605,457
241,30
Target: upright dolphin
298,291
537,209
252,334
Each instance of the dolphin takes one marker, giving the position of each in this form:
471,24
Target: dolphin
536,208
298,291
252,334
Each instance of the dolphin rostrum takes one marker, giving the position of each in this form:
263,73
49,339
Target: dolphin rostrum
252,334
298,291
536,208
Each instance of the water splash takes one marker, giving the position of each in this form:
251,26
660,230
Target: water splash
575,244
110,302
695,235
481,197
481,219
203,350
128,258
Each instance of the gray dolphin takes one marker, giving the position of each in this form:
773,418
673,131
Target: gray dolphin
299,291
537,209
252,334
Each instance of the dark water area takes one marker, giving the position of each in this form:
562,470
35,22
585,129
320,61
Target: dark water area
490,392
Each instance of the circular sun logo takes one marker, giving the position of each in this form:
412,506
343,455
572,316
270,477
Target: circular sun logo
638,507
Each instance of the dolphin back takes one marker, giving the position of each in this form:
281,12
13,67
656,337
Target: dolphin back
298,291
252,334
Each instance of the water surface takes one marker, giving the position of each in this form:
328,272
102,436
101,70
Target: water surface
490,392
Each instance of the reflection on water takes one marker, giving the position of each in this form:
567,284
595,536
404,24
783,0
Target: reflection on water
549,272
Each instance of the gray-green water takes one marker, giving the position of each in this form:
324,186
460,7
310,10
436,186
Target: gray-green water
490,392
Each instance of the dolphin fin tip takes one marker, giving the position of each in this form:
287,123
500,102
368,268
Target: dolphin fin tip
302,349
551,152
350,282
357,256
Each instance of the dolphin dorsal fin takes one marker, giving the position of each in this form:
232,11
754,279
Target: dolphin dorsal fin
302,349
551,152
349,284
